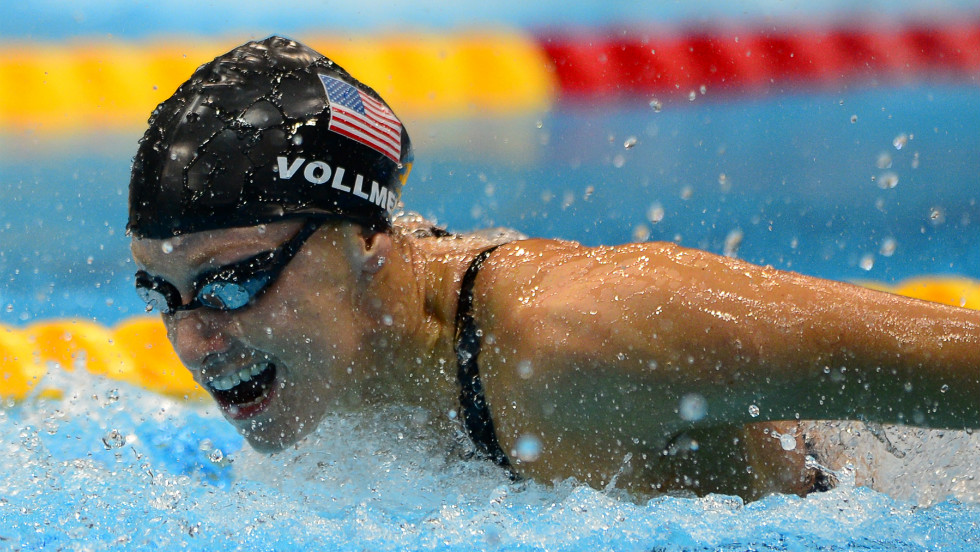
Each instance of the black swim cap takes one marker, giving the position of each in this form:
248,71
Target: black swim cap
268,131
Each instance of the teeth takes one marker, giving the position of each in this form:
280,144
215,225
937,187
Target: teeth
224,383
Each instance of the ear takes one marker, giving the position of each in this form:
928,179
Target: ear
373,251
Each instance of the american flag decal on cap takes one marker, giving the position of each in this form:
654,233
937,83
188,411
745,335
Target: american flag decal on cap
362,118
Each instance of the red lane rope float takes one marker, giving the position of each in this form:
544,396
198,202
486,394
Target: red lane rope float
626,64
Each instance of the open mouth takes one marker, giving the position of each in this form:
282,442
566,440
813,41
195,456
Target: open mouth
246,392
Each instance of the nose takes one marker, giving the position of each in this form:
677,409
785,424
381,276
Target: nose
196,335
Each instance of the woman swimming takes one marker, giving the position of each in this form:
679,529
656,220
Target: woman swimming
262,203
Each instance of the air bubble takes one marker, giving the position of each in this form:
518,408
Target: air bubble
656,105
167,247
630,142
753,411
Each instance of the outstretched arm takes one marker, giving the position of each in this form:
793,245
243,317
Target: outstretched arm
650,340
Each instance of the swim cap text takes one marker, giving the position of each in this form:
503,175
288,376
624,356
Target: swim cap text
318,173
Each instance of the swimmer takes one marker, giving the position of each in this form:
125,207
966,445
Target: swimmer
262,217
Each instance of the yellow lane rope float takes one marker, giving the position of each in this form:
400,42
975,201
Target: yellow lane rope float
66,87
137,351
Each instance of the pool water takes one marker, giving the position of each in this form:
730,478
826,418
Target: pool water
110,466
866,184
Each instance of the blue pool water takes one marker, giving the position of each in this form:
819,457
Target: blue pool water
797,178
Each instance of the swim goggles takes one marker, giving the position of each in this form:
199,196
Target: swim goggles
227,288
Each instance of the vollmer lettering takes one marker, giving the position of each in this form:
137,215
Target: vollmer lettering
317,173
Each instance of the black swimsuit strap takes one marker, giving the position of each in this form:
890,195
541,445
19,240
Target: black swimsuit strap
476,415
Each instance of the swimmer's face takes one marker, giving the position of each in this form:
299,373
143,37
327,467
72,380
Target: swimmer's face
278,364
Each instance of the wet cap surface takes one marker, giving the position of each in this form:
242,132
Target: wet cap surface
268,131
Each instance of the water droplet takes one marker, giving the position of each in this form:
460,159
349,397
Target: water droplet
693,407
655,213
539,123
854,119
937,216
641,232
524,369
787,441
753,411
527,448
867,262
888,246
618,161
724,182
900,141
944,388
733,241
111,396
298,139
216,456
703,90
167,247
387,320
884,161
908,387
692,95
888,181
113,439
687,192
630,142
656,105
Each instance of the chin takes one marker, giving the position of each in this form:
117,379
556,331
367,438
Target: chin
277,440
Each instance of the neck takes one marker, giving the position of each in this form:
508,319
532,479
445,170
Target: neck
416,294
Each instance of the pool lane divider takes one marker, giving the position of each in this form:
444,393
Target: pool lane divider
77,85
761,59
136,351
71,87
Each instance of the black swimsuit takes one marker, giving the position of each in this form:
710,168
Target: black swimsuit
476,415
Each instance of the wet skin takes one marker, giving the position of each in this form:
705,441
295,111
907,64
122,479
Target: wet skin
283,327
591,351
